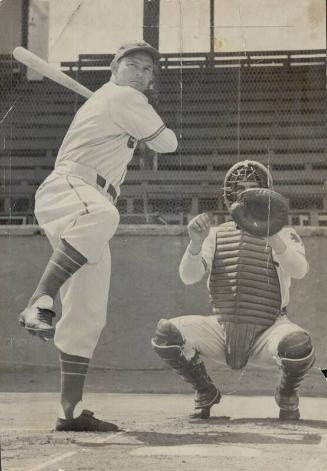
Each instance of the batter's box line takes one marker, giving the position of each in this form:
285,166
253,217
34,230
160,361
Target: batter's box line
55,459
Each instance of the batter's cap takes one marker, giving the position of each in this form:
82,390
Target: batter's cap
129,47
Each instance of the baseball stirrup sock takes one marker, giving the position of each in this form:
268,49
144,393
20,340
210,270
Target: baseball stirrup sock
73,373
65,261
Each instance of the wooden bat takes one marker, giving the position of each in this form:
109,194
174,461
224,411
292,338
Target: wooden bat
44,68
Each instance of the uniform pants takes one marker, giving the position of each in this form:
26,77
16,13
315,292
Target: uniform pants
205,335
67,207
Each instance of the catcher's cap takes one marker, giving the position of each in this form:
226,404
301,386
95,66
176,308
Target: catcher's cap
129,47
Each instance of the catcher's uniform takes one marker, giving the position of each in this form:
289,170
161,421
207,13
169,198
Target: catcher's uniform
263,321
76,202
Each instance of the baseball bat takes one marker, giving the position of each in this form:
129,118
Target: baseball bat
39,65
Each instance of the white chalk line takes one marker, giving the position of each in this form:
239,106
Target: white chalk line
53,460
57,458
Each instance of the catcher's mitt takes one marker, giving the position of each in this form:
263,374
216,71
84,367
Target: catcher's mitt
260,211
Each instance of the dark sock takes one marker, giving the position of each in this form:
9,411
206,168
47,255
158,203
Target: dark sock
65,261
73,374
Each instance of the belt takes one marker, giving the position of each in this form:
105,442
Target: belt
87,174
111,189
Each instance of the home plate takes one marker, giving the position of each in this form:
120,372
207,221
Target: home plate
197,450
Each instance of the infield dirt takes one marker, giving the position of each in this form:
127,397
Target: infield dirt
157,433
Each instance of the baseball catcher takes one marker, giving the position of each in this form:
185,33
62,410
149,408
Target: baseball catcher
250,261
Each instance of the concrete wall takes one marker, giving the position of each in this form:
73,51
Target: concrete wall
145,287
38,33
269,25
10,25
92,26
99,26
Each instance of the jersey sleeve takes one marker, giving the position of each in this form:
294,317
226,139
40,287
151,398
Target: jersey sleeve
208,249
193,267
293,260
132,112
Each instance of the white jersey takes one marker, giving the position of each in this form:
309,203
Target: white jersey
105,131
290,264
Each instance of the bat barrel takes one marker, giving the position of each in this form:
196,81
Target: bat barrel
39,65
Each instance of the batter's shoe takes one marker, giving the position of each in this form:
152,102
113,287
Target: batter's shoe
85,423
204,401
289,405
38,321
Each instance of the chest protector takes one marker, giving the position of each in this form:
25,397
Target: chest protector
244,290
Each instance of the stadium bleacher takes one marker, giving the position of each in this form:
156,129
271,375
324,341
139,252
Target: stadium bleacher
269,107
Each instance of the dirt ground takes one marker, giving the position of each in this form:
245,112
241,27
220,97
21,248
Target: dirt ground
158,434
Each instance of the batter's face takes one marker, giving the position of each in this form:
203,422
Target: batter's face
134,70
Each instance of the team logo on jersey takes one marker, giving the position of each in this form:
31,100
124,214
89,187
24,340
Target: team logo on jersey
131,143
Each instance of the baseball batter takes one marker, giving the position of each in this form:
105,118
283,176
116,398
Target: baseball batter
249,282
75,206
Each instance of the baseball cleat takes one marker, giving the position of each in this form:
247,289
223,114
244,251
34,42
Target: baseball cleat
203,411
38,321
206,397
85,423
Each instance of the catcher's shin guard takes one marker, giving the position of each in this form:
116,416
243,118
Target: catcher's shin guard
296,356
168,343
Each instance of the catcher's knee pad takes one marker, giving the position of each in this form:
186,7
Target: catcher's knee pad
167,334
167,343
296,352
295,345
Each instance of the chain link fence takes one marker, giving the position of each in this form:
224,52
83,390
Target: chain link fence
269,107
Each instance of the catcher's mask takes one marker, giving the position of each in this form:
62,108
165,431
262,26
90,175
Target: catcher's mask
245,171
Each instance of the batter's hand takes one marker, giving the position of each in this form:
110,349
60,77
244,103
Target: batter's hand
198,230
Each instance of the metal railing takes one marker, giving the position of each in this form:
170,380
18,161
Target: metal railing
207,60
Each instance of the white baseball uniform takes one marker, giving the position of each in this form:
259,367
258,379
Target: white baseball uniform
76,201
205,335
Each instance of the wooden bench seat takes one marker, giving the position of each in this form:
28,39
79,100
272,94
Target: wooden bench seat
244,119
204,162
239,108
197,92
300,177
220,145
197,190
183,191
227,159
24,162
204,132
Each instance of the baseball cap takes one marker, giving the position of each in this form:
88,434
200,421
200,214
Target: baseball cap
135,46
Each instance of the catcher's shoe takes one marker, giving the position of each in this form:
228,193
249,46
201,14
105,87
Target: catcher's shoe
203,402
85,423
38,321
289,405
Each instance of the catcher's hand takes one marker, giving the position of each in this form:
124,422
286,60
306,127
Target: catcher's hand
260,211
198,229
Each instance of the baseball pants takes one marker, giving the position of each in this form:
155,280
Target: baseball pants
67,207
205,335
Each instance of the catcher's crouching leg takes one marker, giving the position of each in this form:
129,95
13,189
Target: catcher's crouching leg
296,356
168,344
